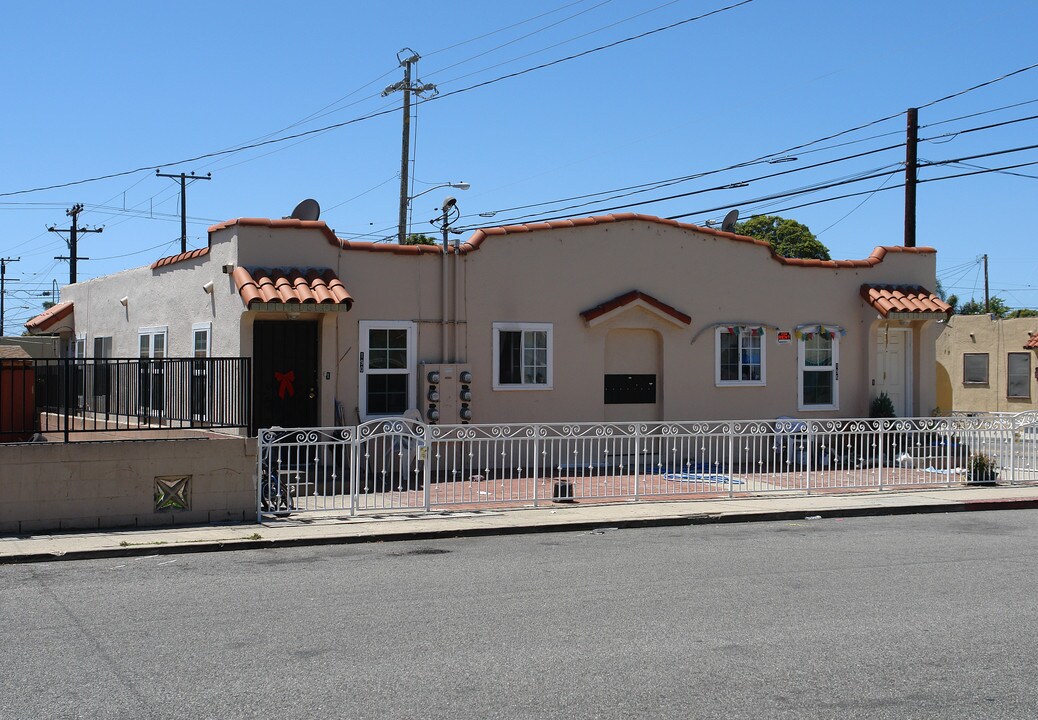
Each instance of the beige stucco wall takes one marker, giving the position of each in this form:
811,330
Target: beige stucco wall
983,334
170,297
48,486
550,276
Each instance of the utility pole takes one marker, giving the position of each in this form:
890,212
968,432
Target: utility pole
3,290
183,200
987,296
912,140
73,233
407,88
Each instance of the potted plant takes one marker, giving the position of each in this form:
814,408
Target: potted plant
981,469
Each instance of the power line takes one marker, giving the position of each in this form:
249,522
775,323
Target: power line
371,115
864,192
726,186
976,114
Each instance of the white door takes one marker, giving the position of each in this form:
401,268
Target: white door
894,367
152,342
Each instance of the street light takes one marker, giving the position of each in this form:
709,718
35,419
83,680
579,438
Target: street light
402,230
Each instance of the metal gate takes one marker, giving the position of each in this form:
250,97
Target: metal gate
376,465
403,464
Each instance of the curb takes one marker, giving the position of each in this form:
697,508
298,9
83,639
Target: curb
528,529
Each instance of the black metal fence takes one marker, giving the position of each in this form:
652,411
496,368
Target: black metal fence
73,395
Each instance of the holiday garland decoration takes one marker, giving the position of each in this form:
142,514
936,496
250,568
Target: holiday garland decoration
738,329
806,332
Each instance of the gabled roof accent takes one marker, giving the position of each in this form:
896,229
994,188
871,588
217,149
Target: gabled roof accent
913,300
49,317
634,298
315,286
189,255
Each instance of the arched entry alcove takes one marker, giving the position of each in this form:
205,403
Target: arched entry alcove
633,374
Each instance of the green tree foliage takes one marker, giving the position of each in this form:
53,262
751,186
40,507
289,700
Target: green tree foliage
998,306
1023,313
952,300
419,239
787,237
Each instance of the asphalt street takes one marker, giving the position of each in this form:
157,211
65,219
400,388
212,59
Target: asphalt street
921,616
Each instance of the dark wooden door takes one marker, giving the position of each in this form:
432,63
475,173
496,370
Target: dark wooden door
285,387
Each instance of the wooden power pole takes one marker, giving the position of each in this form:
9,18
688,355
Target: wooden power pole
911,141
73,240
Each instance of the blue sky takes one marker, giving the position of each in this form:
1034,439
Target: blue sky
112,86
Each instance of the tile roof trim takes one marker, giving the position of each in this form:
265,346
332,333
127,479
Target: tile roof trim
874,258
50,317
601,312
189,255
283,223
290,286
910,299
1032,342
480,235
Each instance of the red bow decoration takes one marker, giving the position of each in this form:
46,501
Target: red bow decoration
285,381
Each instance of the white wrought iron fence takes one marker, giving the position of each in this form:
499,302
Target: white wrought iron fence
400,464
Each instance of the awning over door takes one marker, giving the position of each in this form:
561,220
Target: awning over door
286,289
905,302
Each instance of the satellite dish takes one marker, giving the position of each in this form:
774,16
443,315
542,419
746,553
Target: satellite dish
728,224
309,209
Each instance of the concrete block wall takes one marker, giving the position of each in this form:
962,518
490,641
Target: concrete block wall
101,485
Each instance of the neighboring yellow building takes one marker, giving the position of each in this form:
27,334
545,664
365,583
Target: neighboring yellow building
986,364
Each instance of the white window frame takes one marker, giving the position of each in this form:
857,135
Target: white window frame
802,367
520,327
162,330
208,328
78,348
363,362
723,330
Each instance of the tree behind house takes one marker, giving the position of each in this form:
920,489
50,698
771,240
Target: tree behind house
787,238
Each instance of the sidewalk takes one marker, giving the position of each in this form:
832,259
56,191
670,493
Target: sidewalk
326,530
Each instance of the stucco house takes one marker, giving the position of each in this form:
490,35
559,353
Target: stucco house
987,364
616,317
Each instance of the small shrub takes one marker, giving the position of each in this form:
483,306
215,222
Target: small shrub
981,468
882,407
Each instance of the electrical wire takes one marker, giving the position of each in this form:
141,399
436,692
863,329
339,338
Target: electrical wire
503,29
521,38
371,115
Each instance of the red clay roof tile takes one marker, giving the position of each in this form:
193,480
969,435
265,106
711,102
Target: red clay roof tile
630,297
49,317
874,258
290,285
1032,343
189,255
913,299
478,236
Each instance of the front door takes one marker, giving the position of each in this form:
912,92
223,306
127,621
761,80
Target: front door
893,367
285,387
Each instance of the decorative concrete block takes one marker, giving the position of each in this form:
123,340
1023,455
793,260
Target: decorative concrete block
172,493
